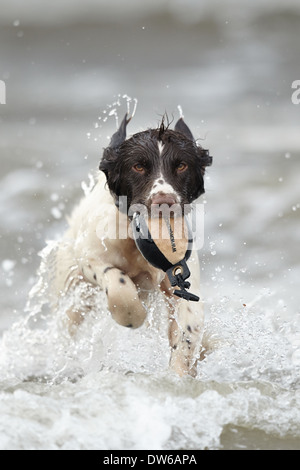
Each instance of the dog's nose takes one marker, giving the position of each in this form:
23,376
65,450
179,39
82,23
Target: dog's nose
161,198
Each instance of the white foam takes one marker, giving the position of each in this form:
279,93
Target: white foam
110,387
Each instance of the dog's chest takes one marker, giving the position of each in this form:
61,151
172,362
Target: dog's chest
125,255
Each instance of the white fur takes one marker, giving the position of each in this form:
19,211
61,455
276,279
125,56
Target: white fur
161,186
160,147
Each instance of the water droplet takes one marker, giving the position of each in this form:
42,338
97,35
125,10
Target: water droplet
180,111
54,197
56,213
8,264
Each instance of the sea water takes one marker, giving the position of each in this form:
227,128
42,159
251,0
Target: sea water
229,72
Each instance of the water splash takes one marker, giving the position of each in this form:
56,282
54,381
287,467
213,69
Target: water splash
113,110
88,187
131,102
248,383
180,111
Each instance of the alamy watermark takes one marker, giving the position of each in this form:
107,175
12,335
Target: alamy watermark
296,94
2,92
119,226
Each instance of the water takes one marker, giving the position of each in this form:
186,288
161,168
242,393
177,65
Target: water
68,80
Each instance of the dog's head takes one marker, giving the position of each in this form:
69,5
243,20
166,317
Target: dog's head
156,166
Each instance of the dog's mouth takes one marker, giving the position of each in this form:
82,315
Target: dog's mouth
161,198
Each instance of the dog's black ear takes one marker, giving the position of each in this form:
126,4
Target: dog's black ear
205,158
109,162
119,136
181,127
110,153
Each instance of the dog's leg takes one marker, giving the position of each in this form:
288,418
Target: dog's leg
186,326
123,300
67,279
185,334
122,296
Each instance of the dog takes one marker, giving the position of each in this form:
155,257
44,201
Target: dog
156,166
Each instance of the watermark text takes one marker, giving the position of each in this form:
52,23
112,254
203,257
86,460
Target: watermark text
121,224
296,94
2,92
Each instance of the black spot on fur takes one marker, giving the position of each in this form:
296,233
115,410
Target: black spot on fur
122,280
189,328
129,325
95,277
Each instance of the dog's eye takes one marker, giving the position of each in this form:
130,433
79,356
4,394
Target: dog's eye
139,168
181,167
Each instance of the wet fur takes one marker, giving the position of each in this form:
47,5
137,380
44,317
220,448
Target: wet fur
87,255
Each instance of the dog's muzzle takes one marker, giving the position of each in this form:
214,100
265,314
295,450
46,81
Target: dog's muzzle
162,198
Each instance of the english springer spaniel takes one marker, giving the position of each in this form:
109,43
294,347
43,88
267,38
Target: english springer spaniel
156,166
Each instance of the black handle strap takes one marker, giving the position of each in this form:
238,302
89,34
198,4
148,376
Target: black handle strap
177,275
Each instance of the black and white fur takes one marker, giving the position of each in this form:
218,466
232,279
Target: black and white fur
152,167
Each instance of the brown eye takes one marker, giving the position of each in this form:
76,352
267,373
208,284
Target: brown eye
139,168
181,167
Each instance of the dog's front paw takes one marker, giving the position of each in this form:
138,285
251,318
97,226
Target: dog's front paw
123,301
182,364
127,313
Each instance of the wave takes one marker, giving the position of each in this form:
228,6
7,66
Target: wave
110,388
